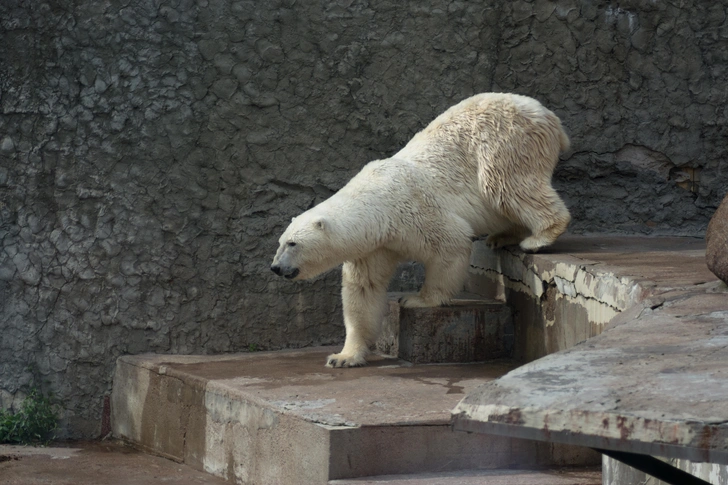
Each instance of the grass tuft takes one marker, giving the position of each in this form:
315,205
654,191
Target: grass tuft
33,423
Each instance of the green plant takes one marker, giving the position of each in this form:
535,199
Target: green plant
253,348
34,422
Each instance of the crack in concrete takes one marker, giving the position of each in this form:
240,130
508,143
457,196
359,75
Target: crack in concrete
550,282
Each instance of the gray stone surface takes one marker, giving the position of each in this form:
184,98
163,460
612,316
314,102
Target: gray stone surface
151,152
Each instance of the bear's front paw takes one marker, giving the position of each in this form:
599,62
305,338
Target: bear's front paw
345,360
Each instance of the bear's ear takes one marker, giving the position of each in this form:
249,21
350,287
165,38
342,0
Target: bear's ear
293,219
319,223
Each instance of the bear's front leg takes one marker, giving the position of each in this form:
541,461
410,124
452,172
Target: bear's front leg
364,299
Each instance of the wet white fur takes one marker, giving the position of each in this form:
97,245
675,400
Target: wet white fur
482,167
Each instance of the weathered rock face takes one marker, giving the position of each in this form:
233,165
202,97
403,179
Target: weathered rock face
152,151
716,240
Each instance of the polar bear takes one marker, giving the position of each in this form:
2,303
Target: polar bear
482,167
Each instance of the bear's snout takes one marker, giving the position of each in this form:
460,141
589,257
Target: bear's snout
288,273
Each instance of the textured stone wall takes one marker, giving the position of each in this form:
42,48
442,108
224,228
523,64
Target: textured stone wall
152,151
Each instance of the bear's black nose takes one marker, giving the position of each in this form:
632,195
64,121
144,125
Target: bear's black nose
276,269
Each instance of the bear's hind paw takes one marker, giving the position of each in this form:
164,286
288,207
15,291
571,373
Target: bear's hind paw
497,241
533,243
344,360
416,301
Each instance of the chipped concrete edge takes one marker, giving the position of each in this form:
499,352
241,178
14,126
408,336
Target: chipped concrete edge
563,421
583,282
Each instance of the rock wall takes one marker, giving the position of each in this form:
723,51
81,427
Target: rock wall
152,151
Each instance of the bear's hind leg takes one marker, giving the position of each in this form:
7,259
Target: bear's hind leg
364,298
445,271
546,217
443,279
510,237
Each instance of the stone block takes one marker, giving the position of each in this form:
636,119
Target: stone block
467,330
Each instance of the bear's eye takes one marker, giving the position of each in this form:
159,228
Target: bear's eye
291,244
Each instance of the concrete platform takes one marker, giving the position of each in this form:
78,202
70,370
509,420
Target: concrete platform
282,417
652,380
93,463
566,476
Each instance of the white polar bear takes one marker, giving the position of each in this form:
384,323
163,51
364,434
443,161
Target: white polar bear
482,167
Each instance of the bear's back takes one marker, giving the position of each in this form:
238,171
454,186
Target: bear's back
488,128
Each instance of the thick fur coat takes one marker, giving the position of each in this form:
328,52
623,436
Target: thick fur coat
482,167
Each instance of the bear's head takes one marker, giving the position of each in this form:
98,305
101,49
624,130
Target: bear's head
305,249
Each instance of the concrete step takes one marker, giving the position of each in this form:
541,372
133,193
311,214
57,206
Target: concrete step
470,329
563,476
282,417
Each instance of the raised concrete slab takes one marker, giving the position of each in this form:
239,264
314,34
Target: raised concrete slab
654,382
93,463
590,476
571,290
282,417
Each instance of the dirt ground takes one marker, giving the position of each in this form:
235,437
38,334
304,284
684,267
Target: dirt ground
93,463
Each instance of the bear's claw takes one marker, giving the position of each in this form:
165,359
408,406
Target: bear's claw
337,360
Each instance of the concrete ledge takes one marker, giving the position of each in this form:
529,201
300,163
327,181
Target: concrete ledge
571,290
282,417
